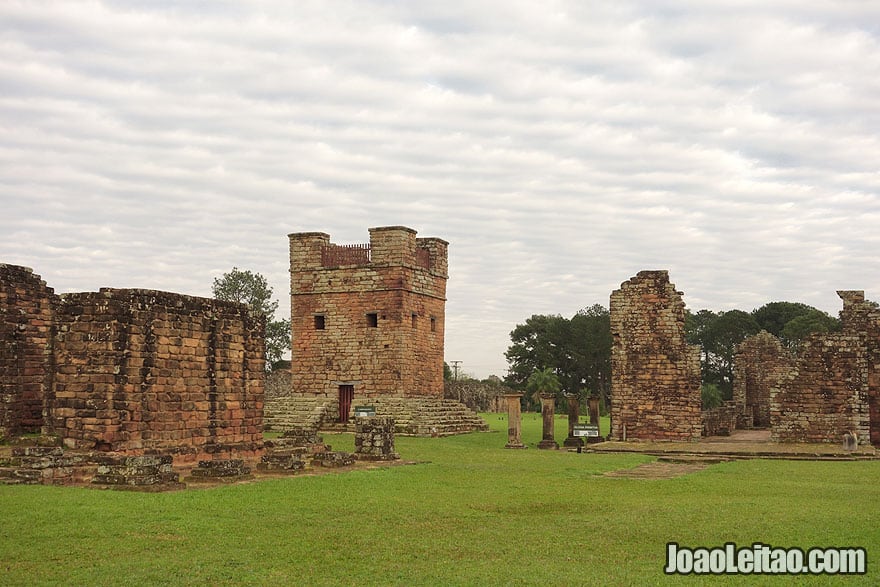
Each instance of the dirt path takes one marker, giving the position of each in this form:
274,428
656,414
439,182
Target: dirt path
658,470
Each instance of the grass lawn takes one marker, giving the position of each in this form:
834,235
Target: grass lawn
473,513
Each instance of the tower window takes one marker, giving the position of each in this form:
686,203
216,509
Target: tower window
319,322
415,319
433,324
373,320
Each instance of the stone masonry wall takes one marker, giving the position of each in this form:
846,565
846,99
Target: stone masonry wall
655,388
371,316
26,305
833,386
761,364
142,371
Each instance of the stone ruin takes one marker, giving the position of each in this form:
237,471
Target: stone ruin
367,325
126,373
655,373
833,386
828,392
761,364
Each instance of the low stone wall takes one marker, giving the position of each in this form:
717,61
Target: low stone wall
720,421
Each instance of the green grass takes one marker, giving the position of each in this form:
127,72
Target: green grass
472,513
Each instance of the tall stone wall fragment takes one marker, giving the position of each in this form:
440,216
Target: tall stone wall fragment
655,381
26,365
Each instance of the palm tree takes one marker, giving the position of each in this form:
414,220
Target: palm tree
542,381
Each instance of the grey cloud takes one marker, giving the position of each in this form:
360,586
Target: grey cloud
559,147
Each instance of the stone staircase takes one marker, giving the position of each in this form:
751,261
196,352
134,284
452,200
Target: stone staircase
428,416
286,413
413,416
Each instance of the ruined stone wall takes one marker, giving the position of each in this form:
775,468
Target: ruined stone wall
368,316
761,364
142,371
278,384
655,387
832,388
26,306
721,421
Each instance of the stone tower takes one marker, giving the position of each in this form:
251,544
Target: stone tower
368,316
367,324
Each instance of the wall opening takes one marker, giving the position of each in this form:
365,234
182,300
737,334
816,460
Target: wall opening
346,396
320,322
373,320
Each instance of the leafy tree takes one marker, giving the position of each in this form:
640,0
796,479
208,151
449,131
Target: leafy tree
246,287
792,322
277,341
578,350
722,336
719,333
537,344
696,328
252,289
799,327
591,341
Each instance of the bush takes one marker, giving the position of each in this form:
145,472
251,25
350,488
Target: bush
711,396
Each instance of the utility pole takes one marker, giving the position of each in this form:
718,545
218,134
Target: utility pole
455,365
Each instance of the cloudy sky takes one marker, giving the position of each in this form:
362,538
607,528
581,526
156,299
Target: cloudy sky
559,146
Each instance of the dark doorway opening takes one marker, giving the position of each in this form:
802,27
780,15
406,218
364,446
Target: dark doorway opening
346,395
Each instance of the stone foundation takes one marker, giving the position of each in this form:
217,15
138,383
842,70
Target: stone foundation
141,471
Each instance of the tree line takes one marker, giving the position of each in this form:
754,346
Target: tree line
577,350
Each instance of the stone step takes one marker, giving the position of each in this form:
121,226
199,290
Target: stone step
279,462
220,468
13,476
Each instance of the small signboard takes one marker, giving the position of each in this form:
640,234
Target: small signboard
588,430
364,411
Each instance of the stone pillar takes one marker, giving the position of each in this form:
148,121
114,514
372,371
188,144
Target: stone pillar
374,439
594,410
514,423
548,413
573,418
593,403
